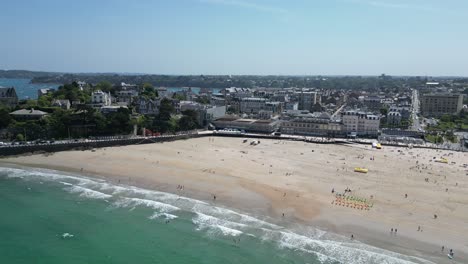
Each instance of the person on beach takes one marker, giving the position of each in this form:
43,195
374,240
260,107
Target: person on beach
443,247
391,230
214,197
396,230
352,236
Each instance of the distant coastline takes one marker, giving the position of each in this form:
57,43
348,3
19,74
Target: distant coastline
347,82
25,88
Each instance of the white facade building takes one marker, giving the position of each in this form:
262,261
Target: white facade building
360,123
100,98
307,100
126,96
252,105
394,118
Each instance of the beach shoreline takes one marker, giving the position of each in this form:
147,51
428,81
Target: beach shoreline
291,178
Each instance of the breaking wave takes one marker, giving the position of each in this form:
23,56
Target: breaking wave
217,221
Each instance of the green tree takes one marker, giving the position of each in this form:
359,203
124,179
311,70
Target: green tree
149,91
450,136
202,100
165,109
58,123
5,118
189,120
172,125
19,137
384,111
446,118
105,86
71,92
28,104
162,122
178,96
119,122
97,121
45,100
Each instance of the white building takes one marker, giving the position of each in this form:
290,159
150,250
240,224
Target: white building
237,92
252,105
291,106
64,104
394,118
313,126
361,123
148,106
206,113
100,98
126,96
44,91
307,100
249,125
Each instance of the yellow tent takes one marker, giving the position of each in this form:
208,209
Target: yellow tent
361,170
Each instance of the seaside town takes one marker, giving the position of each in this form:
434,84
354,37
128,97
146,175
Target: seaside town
425,112
380,155
234,131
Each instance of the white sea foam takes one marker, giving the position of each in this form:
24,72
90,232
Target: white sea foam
164,215
44,174
88,193
343,252
213,225
204,220
163,196
133,202
232,216
228,231
221,221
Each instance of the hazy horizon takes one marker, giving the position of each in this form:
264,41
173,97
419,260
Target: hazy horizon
237,37
260,75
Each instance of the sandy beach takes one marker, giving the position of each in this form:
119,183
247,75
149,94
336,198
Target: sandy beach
405,189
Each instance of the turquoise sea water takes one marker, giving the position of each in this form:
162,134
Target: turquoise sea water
27,90
24,88
52,217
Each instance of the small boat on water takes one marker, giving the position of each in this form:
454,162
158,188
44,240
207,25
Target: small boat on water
361,170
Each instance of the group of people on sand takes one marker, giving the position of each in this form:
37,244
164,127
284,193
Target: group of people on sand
450,254
180,187
393,231
347,190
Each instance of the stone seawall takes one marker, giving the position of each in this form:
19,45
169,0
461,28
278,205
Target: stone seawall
24,149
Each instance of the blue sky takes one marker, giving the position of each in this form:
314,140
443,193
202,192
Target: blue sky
288,37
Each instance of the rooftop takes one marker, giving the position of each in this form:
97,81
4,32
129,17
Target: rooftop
30,112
